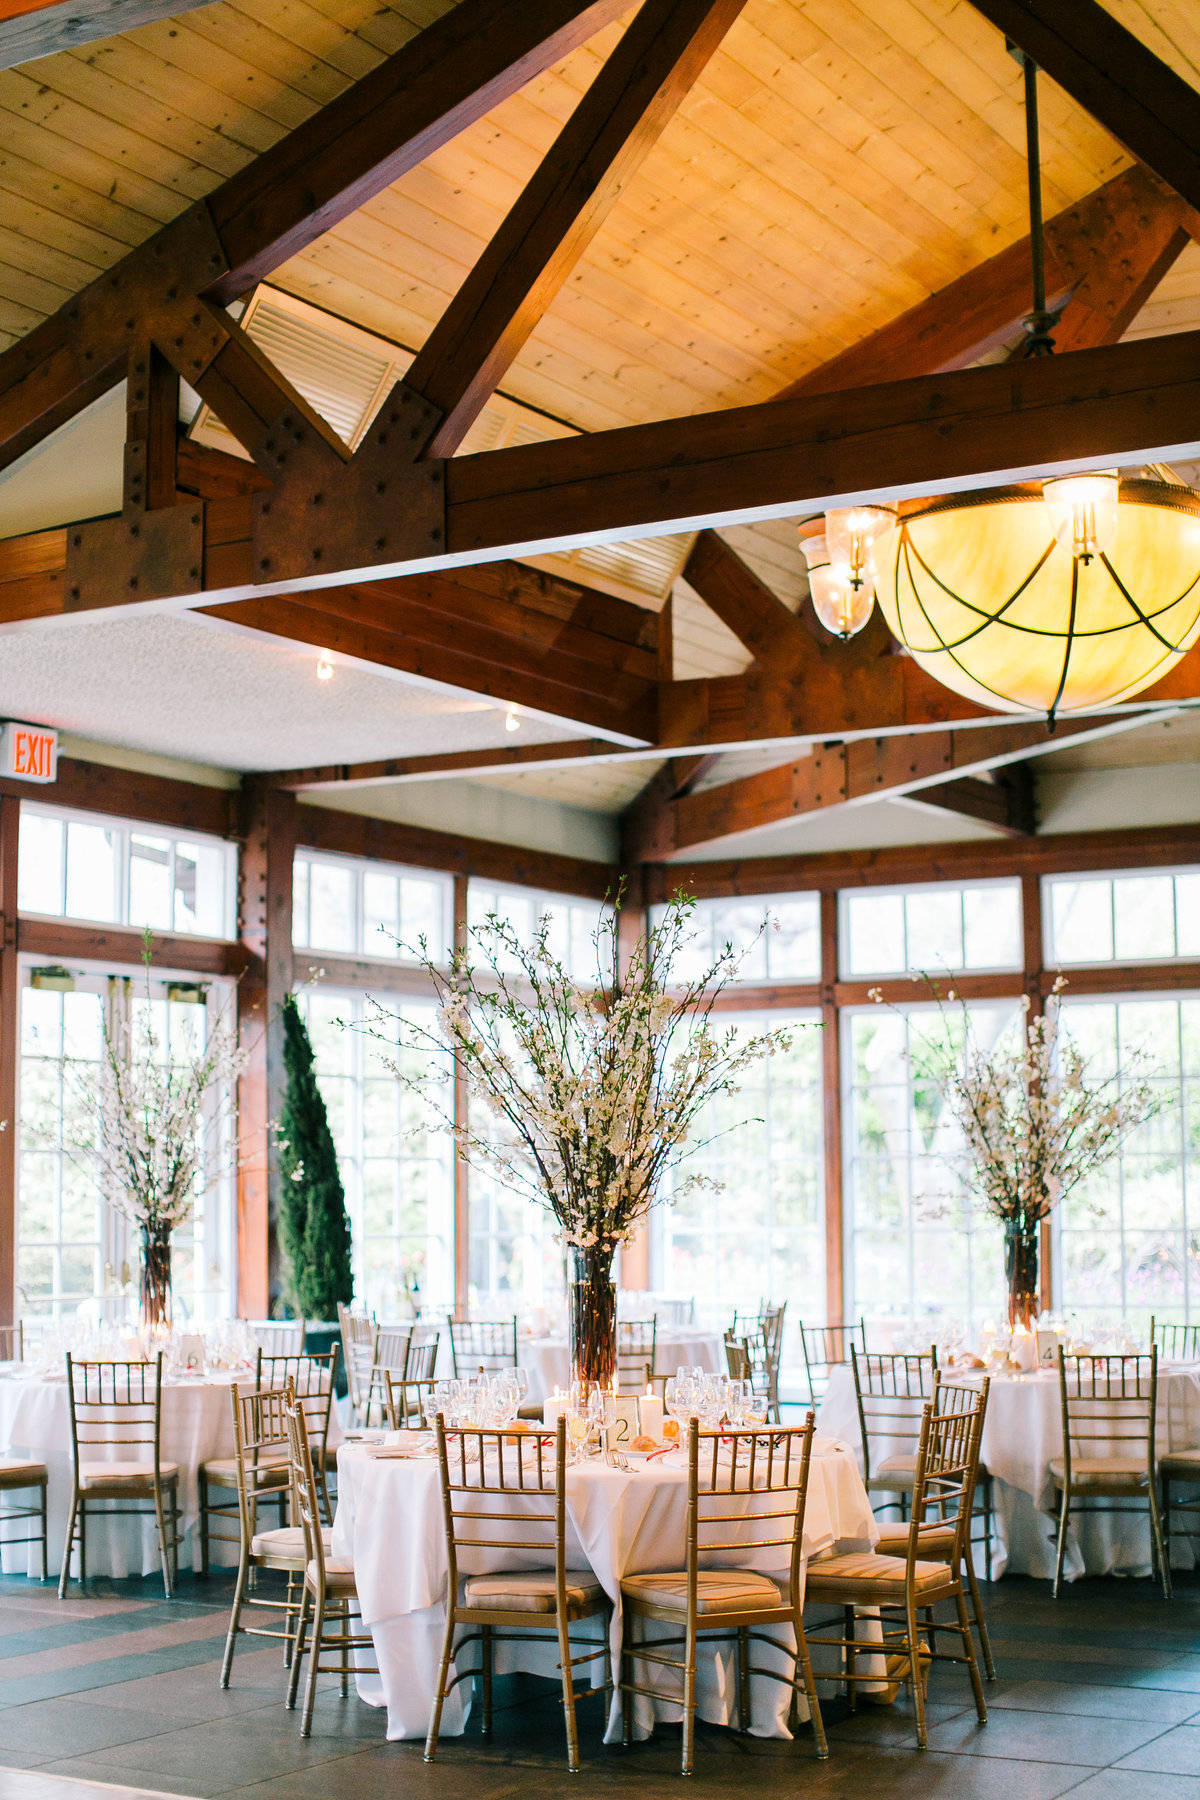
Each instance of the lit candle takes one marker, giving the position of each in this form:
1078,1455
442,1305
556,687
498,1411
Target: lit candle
554,1406
650,1415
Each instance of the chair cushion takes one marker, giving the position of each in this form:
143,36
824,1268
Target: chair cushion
1176,1462
864,1575
222,1471
16,1473
717,1590
287,1541
125,1474
530,1590
339,1576
1099,1471
898,1473
935,1541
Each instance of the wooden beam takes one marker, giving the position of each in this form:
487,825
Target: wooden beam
453,764
616,123
1059,853
265,929
387,840
445,78
10,1055
1004,800
1096,250
132,794
1114,77
746,605
62,940
30,29
837,775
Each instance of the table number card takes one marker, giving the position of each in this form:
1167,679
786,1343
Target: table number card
621,1418
1047,1349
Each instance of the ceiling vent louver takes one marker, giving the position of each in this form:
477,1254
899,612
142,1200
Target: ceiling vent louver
345,373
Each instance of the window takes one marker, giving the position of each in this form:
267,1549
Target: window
889,931
1122,918
761,1237
397,1171
1127,1242
119,873
918,1247
779,937
514,1260
369,908
573,924
73,1247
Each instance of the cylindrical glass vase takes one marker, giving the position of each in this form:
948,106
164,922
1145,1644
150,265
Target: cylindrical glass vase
1021,1243
592,1305
156,1277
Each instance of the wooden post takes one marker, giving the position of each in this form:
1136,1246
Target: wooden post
10,1041
1033,941
462,1170
631,925
831,1083
265,929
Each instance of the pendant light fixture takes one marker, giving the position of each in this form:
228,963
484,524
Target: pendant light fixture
1057,596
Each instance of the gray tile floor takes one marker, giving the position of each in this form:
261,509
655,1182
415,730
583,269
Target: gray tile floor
1098,1697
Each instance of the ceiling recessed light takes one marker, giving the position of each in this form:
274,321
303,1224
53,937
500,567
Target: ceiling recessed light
511,722
324,667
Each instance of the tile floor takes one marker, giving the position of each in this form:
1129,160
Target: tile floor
1098,1697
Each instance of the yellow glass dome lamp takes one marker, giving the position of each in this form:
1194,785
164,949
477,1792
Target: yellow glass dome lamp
1059,597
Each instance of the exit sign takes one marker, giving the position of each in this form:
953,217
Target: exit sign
29,752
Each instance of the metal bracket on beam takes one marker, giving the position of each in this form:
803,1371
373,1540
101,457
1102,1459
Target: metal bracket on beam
165,549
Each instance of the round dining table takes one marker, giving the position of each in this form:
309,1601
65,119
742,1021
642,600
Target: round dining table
547,1360
197,1426
1022,1433
620,1521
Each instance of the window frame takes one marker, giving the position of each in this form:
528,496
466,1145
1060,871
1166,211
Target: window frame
360,867
847,895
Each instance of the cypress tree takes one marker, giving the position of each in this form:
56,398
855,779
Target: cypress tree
314,1227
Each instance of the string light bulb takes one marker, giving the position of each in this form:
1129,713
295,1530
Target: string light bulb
324,667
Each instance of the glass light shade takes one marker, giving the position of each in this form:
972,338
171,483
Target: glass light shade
1083,511
841,607
854,535
993,605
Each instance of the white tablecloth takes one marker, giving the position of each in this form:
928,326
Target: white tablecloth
1022,1433
197,1425
389,1519
547,1361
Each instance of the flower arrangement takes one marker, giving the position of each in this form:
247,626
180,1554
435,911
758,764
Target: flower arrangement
1035,1122
155,1126
587,1093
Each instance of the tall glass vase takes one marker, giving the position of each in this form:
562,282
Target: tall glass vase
156,1276
1021,1243
592,1304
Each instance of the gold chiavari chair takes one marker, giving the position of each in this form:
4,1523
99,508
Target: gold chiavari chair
937,1536
747,1492
329,1595
827,1347
1109,1413
406,1403
277,1337
12,1343
892,1388
1176,1343
903,1586
313,1381
506,1491
390,1353
118,1405
636,1341
421,1362
18,1474
357,1332
763,1333
748,1359
482,1344
260,1436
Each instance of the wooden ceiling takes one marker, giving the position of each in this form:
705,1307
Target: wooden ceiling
836,163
